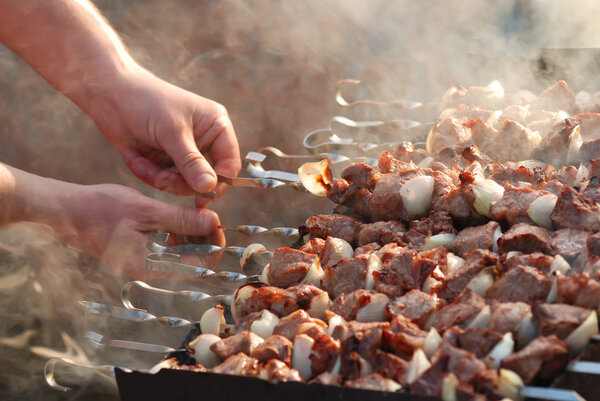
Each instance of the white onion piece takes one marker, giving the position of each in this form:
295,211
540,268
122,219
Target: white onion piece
486,192
212,320
202,353
391,385
429,284
582,174
510,254
495,90
315,273
239,298
374,311
540,209
416,196
526,331
265,325
500,351
318,305
316,177
248,251
338,250
426,162
374,265
432,342
166,364
575,142
559,265
417,366
552,294
334,321
435,241
510,384
453,262
264,276
449,383
336,366
483,318
581,336
301,355
497,235
523,184
482,281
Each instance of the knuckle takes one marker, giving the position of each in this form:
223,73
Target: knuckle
191,158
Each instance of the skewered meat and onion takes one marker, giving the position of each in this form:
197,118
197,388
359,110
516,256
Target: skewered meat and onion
464,273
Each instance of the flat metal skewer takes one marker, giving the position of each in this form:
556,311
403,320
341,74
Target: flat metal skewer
284,232
107,371
132,315
99,341
400,103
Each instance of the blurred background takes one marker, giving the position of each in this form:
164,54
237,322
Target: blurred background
274,65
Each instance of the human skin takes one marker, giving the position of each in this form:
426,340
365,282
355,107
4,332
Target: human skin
171,139
109,222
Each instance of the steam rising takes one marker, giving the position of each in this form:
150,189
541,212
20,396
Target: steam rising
274,65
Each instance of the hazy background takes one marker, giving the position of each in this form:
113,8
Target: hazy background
274,65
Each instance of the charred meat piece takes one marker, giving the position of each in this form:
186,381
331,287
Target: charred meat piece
512,207
557,143
477,237
403,272
335,249
403,337
324,353
352,365
522,140
277,371
361,175
592,189
520,284
274,347
381,232
448,132
544,357
389,164
526,238
455,282
593,244
289,267
415,305
331,225
507,316
478,341
460,203
299,322
387,202
505,175
356,329
316,246
244,342
557,97
573,210
459,312
571,244
239,365
367,249
390,366
278,300
579,290
346,276
438,222
559,319
347,305
535,259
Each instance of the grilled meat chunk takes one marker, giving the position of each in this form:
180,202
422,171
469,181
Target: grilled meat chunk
415,305
277,371
373,381
476,237
571,244
403,272
574,210
244,342
324,353
381,232
535,259
455,282
459,312
507,316
239,365
299,322
526,238
346,276
579,290
331,225
316,246
289,267
274,347
559,319
512,207
520,284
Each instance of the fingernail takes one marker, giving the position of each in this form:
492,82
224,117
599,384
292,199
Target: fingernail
139,169
204,182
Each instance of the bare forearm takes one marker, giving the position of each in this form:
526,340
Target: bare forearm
68,42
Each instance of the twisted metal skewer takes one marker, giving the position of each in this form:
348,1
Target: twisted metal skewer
133,315
107,371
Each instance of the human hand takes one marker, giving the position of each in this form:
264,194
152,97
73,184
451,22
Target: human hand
170,138
112,223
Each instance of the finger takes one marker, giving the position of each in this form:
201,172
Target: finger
164,179
220,144
203,201
185,220
192,165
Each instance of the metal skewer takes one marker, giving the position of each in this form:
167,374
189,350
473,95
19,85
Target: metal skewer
99,341
132,315
106,371
284,232
400,103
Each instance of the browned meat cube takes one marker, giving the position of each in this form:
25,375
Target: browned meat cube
466,392
512,207
592,189
387,203
324,353
403,272
352,365
557,97
573,210
346,276
507,316
389,164
328,378
559,319
239,365
331,225
289,267
299,322
505,175
523,142
567,175
339,192
578,290
403,337
316,246
244,342
361,175
525,238
557,141
373,381
571,244
381,232
455,282
347,305
415,305
279,301
367,249
460,203
520,284
356,329
448,132
535,259
458,313
479,341
277,371
471,238
390,366
277,347
544,357
245,322
438,222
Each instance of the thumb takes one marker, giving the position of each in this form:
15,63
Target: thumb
185,220
192,165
